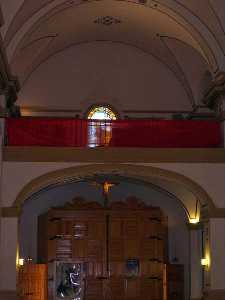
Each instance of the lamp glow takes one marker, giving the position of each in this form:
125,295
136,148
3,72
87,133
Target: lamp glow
205,262
21,262
194,220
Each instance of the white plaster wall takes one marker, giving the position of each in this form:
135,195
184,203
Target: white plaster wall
8,246
18,174
114,73
209,176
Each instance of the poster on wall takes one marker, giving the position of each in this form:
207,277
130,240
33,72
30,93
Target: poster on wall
69,281
132,267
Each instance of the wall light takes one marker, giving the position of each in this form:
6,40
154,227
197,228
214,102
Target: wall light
21,262
205,262
194,220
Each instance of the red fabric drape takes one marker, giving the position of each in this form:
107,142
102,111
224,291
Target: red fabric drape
46,132
123,133
165,133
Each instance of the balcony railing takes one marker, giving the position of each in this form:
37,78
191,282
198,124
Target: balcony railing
63,132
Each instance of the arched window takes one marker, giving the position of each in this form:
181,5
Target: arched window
100,125
101,113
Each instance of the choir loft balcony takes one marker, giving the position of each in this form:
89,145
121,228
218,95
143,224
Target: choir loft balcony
65,132
82,140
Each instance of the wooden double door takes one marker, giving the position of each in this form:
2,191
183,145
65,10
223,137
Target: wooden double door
122,253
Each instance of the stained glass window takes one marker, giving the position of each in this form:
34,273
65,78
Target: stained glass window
100,127
101,113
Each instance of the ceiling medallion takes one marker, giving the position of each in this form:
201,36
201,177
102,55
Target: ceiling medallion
107,20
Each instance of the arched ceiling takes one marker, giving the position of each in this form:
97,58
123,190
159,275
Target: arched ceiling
187,36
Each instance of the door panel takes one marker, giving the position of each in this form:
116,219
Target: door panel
117,286
94,289
136,239
32,282
131,248
132,289
116,249
89,242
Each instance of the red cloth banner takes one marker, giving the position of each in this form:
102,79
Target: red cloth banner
46,132
166,133
120,133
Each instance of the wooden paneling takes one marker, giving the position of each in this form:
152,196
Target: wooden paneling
175,281
32,282
106,240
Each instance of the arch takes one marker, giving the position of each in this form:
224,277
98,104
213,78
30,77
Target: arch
208,45
192,196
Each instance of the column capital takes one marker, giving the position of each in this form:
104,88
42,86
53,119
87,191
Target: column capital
217,213
10,212
196,226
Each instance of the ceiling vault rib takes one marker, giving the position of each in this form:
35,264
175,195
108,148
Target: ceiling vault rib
191,25
181,16
204,23
184,82
42,29
39,39
217,17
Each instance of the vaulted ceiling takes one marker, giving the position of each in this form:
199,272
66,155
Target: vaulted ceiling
186,36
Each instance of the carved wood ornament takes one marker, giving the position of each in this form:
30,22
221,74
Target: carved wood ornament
131,203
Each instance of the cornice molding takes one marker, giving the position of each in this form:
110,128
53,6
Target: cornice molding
113,155
10,212
193,227
217,213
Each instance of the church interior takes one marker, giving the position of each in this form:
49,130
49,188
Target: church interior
112,160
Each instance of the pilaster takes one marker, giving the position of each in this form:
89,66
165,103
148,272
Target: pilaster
8,250
217,252
195,261
214,248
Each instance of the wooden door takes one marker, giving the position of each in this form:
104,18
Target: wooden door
32,282
121,248
89,246
135,256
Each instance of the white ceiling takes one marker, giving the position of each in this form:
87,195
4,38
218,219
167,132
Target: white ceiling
187,36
